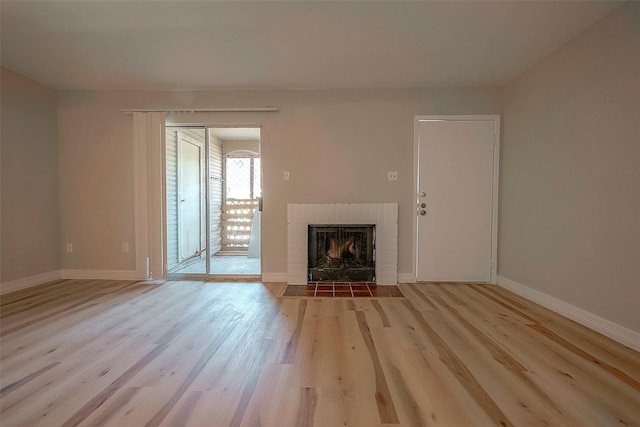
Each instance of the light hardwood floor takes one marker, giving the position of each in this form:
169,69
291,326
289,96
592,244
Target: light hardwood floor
187,353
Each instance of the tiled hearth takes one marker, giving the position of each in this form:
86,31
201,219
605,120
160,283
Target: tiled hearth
342,290
383,215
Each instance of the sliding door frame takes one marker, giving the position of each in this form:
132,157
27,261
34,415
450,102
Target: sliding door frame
207,189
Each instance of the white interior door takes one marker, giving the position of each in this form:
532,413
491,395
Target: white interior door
456,190
189,191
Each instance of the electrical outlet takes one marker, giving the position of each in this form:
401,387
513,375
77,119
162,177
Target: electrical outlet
286,175
393,176
69,248
125,246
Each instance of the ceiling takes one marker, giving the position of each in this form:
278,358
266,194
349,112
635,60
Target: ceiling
201,45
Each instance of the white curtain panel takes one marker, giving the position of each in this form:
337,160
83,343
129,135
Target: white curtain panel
148,146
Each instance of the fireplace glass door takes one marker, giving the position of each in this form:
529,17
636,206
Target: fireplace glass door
341,253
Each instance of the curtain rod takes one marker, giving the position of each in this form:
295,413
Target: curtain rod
200,110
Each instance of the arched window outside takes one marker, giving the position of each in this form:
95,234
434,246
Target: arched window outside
242,176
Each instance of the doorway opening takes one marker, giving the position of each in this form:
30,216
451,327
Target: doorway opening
214,193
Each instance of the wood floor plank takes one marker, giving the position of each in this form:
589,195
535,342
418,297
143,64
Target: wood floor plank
307,407
126,407
111,409
405,326
54,396
522,401
9,387
442,400
519,307
383,316
384,401
465,375
213,408
252,376
183,415
485,342
422,298
598,345
196,353
586,356
581,390
204,358
346,387
100,318
292,344
275,379
310,349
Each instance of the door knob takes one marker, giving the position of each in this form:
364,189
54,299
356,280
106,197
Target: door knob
423,212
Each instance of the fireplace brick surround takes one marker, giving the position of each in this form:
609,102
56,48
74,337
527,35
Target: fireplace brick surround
383,215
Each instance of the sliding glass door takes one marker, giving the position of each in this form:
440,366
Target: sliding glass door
214,189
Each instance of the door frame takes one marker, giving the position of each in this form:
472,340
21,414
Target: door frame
495,118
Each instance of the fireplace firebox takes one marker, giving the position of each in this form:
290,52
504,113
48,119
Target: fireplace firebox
341,253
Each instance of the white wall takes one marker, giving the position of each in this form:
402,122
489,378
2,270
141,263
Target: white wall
337,145
96,183
570,172
30,218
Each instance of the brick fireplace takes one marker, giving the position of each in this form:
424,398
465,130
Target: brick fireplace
384,216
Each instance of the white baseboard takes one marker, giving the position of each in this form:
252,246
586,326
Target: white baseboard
100,274
605,327
406,278
275,277
27,282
